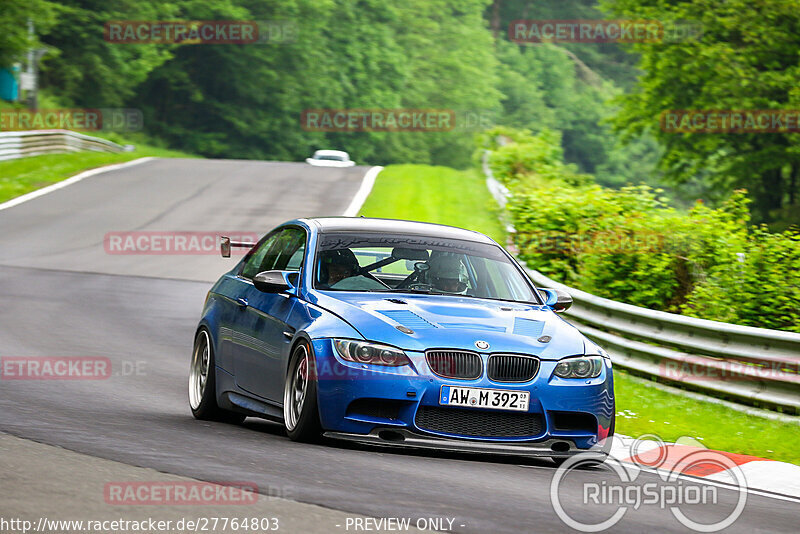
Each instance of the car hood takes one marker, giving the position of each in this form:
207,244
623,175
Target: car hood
454,322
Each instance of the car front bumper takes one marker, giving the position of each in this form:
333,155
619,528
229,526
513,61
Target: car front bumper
393,398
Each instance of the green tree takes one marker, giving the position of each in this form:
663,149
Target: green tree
748,57
89,71
15,40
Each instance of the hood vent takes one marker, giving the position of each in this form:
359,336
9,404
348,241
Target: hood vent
528,327
474,326
407,318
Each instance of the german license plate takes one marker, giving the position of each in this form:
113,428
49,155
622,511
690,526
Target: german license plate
493,399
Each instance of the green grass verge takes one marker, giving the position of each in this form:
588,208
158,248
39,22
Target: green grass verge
459,198
437,195
23,175
646,410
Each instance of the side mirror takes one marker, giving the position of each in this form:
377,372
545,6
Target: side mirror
225,245
273,281
559,301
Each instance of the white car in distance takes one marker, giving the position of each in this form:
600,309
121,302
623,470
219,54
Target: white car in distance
330,158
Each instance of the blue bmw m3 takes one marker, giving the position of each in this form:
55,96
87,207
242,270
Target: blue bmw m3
398,333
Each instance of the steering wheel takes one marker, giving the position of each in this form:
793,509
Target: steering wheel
419,268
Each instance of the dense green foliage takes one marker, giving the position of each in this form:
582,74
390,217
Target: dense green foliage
15,40
604,100
246,100
748,58
630,245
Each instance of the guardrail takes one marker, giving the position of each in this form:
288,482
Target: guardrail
15,145
752,365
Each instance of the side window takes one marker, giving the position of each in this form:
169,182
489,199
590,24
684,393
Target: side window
296,261
253,265
289,250
282,251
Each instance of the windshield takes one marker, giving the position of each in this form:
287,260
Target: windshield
329,157
413,264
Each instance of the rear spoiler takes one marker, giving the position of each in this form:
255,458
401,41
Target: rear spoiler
225,245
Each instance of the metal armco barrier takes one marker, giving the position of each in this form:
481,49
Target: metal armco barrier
15,145
752,365
755,365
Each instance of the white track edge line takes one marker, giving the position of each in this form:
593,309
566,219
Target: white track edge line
363,192
69,181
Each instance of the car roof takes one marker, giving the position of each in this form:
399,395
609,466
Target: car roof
394,226
330,153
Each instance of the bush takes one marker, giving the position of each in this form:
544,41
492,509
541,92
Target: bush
760,287
625,244
535,160
630,245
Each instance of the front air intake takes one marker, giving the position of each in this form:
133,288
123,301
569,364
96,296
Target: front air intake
455,364
512,367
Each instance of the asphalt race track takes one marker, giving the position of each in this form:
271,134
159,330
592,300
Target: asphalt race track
62,294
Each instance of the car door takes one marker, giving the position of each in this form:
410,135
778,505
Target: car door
260,354
232,299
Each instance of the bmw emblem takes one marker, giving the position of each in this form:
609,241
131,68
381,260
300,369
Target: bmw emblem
482,345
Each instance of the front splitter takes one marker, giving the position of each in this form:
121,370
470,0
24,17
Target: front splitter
393,437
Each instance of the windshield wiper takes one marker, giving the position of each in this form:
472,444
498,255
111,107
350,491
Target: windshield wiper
409,290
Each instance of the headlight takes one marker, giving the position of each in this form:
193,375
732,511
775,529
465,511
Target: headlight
580,367
372,353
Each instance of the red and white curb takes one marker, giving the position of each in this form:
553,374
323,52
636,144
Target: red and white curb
689,457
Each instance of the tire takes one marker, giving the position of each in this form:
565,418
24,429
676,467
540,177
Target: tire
300,407
203,384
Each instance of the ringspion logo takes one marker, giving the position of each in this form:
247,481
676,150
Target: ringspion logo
604,501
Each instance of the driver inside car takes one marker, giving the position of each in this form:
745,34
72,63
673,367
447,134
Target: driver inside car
339,269
447,273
